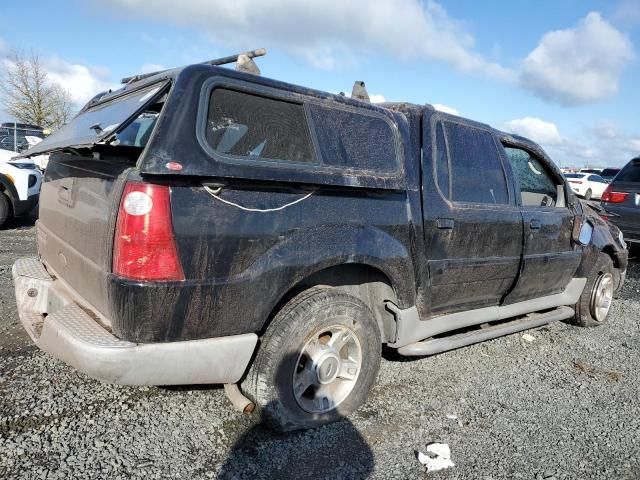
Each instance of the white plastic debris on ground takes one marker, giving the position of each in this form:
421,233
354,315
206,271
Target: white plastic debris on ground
528,338
438,457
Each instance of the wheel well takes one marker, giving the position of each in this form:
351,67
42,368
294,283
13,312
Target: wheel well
7,193
367,283
610,251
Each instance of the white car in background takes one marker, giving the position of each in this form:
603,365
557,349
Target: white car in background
587,185
20,182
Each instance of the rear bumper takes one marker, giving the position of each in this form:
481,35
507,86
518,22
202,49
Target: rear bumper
60,326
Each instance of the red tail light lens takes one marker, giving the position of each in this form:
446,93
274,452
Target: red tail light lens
144,246
613,197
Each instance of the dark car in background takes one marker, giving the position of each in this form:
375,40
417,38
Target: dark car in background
608,174
13,136
621,200
23,129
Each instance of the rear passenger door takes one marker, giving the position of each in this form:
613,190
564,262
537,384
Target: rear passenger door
550,257
473,227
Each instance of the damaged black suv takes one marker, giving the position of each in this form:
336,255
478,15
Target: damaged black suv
205,225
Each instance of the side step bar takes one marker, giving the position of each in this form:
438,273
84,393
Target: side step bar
438,345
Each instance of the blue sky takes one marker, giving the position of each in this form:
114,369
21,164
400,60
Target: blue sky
563,72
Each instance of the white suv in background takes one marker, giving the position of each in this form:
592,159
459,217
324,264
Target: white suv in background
19,187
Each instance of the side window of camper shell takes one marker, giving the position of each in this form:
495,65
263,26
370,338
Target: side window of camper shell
251,126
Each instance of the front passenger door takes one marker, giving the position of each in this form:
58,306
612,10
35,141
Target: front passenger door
550,258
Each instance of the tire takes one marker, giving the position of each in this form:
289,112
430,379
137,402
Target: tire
5,208
587,194
302,346
600,286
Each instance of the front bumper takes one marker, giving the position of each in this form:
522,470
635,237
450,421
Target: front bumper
62,326
24,207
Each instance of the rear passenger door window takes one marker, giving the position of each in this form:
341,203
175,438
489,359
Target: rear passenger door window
477,174
537,186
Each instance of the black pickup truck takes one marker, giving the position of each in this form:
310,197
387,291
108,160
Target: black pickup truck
204,225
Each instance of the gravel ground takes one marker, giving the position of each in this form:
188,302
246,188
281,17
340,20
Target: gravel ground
564,406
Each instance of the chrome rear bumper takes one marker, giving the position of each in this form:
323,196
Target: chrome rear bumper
60,326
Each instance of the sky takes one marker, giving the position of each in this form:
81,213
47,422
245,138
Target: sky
561,72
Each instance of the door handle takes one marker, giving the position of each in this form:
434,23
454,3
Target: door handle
534,224
64,193
444,223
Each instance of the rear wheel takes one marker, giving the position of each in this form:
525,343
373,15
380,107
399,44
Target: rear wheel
4,208
597,297
587,195
317,361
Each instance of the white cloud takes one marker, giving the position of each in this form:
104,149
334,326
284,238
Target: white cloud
616,142
578,65
82,82
445,109
328,33
601,145
540,131
627,12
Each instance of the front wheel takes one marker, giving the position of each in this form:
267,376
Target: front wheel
317,361
4,208
596,299
587,195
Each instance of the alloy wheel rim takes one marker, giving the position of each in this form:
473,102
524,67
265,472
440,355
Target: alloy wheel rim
327,370
602,297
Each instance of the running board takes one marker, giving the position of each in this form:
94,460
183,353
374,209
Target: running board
438,345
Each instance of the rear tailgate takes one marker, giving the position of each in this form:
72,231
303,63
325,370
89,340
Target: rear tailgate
78,203
89,161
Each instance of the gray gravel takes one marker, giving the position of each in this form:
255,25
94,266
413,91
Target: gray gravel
564,406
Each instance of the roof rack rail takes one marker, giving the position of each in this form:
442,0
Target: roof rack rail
217,61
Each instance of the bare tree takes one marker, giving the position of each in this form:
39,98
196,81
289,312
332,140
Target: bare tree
29,96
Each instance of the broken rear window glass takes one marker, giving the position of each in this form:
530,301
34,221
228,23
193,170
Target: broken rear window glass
248,125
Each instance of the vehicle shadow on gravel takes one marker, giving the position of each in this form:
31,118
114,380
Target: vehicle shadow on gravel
336,450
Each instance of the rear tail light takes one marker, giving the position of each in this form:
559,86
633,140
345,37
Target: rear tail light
613,197
144,245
